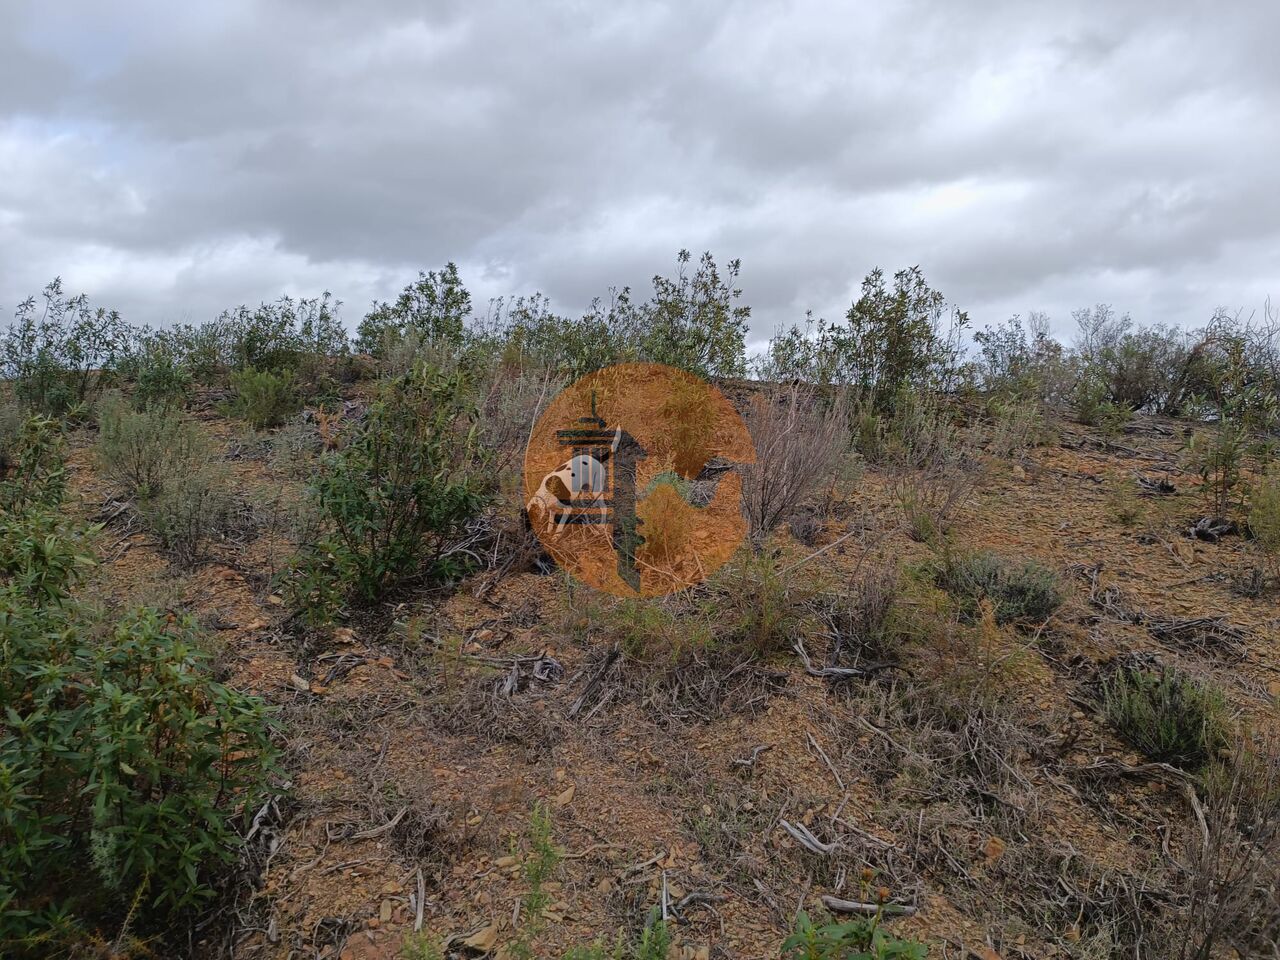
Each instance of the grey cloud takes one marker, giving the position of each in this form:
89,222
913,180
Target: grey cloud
175,159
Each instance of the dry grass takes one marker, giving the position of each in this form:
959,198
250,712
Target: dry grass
800,439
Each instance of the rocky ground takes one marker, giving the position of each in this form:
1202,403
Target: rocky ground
975,779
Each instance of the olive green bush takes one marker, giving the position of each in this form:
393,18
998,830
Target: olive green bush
60,356
862,938
1264,514
144,453
1018,590
263,398
1167,715
893,337
399,497
125,770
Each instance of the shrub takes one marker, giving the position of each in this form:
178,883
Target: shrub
1094,409
758,610
12,421
60,358
840,940
190,513
934,464
120,759
161,381
1128,369
263,398
400,495
657,633
891,339
1017,590
860,616
799,443
1230,863
694,321
432,310
32,469
1264,514
1167,715
145,453
1010,365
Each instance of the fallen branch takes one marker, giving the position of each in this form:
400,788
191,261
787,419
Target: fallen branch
836,905
806,839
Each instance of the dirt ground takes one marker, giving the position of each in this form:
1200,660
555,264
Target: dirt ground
414,775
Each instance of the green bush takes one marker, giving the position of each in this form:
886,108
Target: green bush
430,311
1017,590
863,938
1167,715
124,769
1094,409
263,398
160,380
119,760
757,610
906,336
145,453
398,496
60,357
693,321
32,469
12,420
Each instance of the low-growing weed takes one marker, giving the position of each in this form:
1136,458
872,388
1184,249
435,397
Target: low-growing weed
1019,591
1169,716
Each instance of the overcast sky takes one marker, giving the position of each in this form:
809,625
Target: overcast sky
172,159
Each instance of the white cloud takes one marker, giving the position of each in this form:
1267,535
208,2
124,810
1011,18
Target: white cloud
173,160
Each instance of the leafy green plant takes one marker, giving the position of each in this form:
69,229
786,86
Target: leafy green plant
757,609
262,397
431,310
399,495
904,335
421,946
1018,590
32,468
693,321
655,938
121,760
161,381
1093,408
858,939
1167,715
538,863
60,356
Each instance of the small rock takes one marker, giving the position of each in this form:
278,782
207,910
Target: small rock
485,938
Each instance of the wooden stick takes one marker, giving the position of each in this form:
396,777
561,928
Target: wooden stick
836,905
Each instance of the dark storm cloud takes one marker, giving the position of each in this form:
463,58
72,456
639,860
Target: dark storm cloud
176,159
